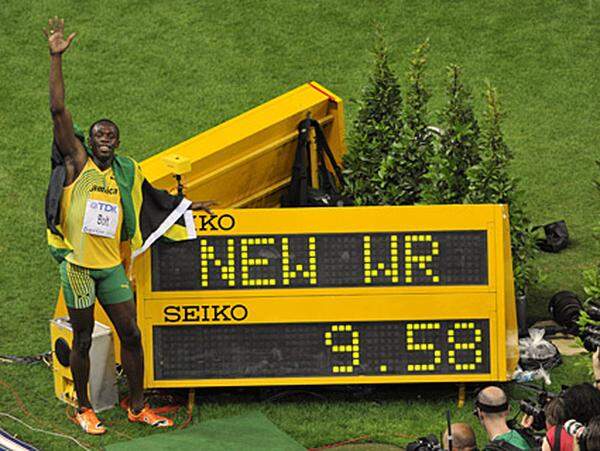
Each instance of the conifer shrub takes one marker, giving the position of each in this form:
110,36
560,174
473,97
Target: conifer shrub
394,158
375,135
417,139
490,182
390,143
457,149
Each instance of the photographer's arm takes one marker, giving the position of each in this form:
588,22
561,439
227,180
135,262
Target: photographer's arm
545,445
527,421
69,146
596,367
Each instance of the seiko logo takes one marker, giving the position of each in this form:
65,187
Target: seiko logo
102,189
204,313
95,205
216,222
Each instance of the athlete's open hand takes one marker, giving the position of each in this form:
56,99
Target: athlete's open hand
55,34
203,205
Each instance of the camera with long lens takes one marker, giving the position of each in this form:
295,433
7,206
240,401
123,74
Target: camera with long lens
566,308
535,406
532,408
429,442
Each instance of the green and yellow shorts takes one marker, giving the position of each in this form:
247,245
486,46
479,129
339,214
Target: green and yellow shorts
81,285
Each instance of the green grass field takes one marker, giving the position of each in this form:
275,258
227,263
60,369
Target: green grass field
165,71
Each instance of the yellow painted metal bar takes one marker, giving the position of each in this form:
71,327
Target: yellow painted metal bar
247,158
252,154
370,306
509,317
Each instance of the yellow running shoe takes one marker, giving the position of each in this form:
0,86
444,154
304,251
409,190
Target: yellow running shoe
147,416
89,422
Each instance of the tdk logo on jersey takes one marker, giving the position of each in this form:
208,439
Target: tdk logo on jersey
108,208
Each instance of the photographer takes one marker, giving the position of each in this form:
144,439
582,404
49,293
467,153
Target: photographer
584,438
491,408
556,436
582,402
596,367
463,438
590,439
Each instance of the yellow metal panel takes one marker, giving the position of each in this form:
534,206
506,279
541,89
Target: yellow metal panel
358,304
332,380
370,306
321,220
64,388
511,329
245,159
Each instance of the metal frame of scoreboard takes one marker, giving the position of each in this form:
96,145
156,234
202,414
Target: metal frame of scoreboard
204,323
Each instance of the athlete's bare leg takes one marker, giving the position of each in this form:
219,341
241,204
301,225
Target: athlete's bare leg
82,322
123,318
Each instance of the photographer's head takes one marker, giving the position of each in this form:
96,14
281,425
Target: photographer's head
556,412
463,437
582,402
491,405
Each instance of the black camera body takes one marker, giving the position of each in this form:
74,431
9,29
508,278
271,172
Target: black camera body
429,442
535,407
532,408
566,309
593,310
591,338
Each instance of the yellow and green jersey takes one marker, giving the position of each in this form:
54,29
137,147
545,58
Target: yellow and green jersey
93,192
87,220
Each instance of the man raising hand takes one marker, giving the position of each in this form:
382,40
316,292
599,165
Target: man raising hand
90,208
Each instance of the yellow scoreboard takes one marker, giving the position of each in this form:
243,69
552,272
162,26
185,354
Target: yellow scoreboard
331,296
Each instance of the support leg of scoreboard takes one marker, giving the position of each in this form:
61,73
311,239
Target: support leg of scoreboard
462,390
190,405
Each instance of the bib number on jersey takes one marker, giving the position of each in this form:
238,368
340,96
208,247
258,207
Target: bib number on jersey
101,218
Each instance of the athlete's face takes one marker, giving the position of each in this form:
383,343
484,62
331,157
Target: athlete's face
104,140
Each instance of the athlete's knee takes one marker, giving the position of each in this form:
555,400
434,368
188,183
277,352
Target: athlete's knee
82,342
132,338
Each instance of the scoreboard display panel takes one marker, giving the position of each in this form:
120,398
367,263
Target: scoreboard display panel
331,295
323,260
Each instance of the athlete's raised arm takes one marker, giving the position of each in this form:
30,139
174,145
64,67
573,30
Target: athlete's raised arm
70,147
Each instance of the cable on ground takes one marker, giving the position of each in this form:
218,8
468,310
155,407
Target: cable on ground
24,409
56,434
45,358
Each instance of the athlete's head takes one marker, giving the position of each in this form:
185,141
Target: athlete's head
104,139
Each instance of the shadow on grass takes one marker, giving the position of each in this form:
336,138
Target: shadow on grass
359,393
